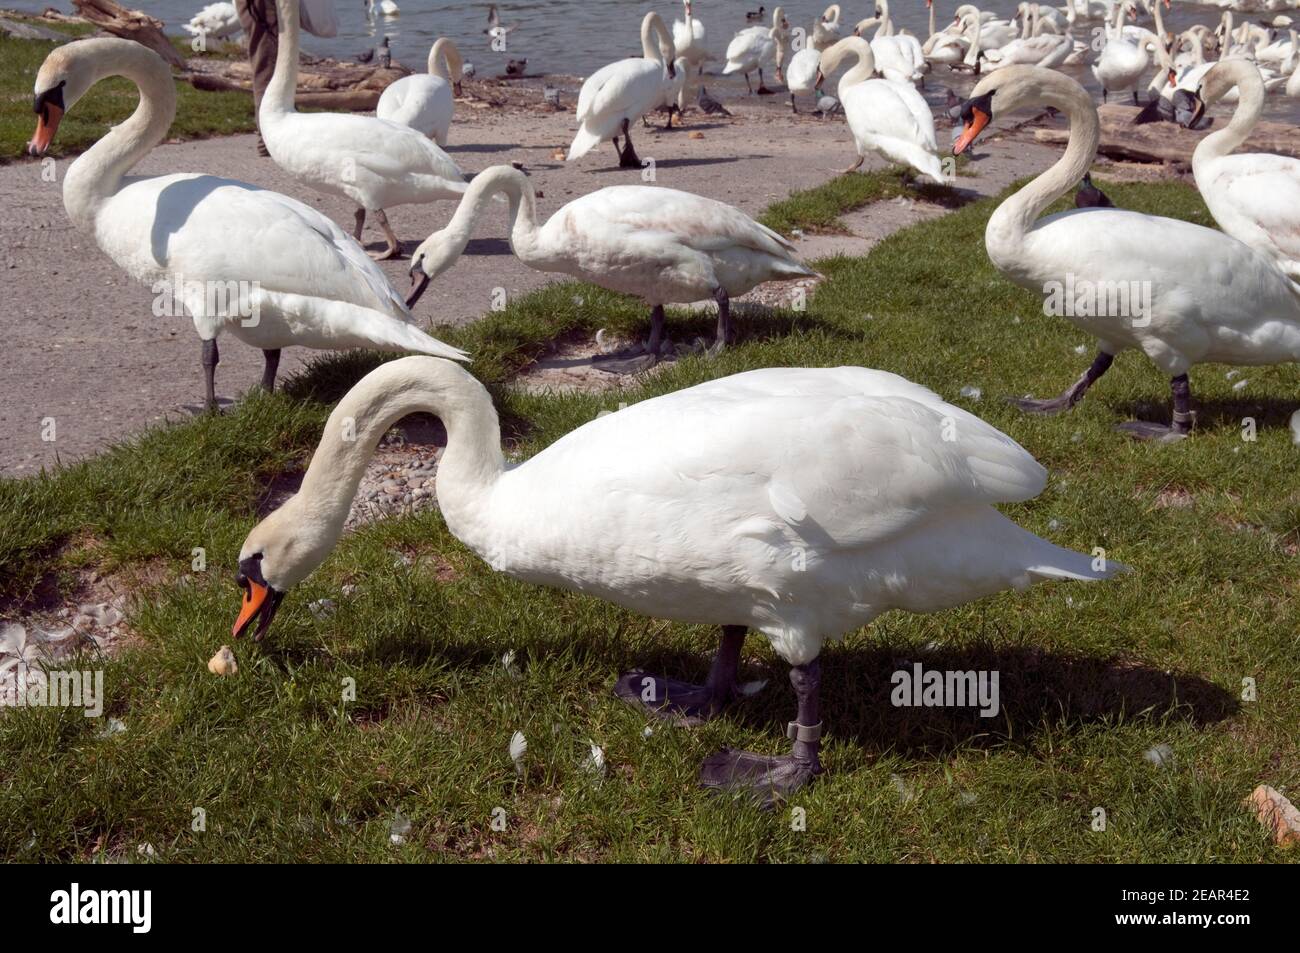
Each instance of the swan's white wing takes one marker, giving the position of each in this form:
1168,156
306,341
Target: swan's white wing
882,107
679,217
631,84
1263,189
386,150
847,456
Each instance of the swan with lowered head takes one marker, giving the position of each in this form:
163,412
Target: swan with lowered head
372,162
1254,197
426,101
755,46
1179,293
662,245
799,502
888,118
267,268
619,92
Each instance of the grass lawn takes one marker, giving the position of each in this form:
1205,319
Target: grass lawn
198,114
1091,677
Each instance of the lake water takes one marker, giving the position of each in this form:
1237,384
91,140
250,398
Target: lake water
579,36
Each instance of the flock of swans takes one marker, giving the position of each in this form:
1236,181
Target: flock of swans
798,502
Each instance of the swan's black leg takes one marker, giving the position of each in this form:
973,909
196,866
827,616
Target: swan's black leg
272,358
724,322
636,359
617,147
210,359
1072,395
1135,98
361,223
793,108
771,779
629,158
394,249
762,87
682,702
748,85
1182,422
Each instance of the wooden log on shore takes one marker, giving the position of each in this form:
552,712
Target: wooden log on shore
130,25
1170,142
337,100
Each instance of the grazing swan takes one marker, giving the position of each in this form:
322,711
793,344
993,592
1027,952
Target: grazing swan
1123,61
1255,197
751,48
267,268
662,245
216,20
799,502
426,101
1180,293
616,94
888,118
372,162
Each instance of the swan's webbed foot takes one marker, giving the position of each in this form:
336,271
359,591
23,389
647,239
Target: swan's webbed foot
770,779
272,359
1073,394
767,779
683,703
1154,432
852,168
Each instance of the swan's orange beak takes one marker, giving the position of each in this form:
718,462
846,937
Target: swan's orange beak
47,124
973,127
820,79
255,596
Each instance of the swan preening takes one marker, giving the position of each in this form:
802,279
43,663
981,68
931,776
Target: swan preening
426,101
662,245
1204,296
297,278
619,93
372,162
798,502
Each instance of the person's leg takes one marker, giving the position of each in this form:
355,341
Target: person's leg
257,17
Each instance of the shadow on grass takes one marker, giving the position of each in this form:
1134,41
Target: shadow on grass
1214,414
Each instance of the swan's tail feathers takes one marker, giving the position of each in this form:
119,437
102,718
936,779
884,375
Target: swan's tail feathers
730,68
583,142
1056,562
928,164
788,269
412,338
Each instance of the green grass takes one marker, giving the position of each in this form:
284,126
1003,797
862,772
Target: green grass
198,114
819,209
1091,676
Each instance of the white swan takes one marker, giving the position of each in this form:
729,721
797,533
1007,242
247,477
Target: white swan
426,101
689,38
662,245
619,92
374,163
754,47
387,7
994,33
898,59
801,74
1180,293
1122,61
1255,197
267,268
888,118
216,20
1048,50
799,502
826,31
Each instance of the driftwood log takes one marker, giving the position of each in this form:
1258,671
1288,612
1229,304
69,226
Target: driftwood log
322,84
130,25
1169,142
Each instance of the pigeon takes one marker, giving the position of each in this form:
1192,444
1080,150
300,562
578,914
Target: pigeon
551,96
385,55
710,105
829,106
952,106
1089,196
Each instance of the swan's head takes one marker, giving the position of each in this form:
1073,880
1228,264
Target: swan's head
1012,88
435,255
976,113
63,79
279,552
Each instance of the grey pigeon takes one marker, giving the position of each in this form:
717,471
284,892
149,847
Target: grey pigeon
551,96
829,106
710,105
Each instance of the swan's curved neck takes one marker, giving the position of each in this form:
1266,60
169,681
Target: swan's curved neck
1017,214
1245,76
973,54
98,173
467,469
931,6
864,69
523,209
655,39
278,98
445,60
886,21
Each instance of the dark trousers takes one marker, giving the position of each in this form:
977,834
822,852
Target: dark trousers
257,17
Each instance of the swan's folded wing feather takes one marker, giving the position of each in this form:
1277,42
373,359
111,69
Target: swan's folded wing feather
1268,192
386,149
632,83
887,110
